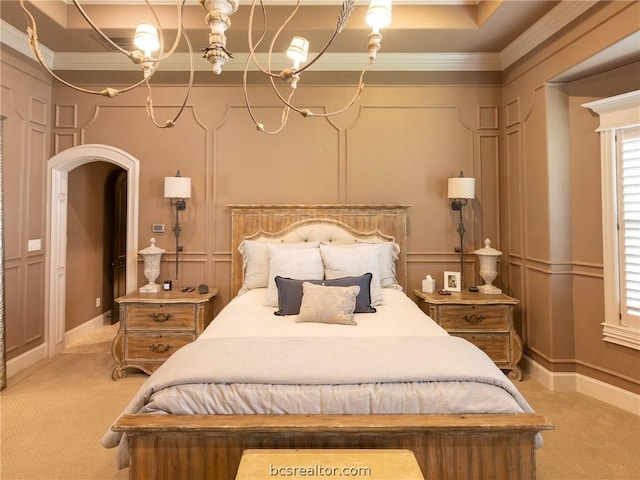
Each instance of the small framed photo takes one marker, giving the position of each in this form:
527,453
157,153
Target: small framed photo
452,281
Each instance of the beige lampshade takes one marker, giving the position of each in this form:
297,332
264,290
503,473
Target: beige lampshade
462,187
379,14
177,187
146,38
298,50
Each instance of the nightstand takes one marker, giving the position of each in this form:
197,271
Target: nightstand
154,325
484,320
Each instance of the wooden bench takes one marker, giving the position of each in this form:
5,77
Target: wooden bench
382,464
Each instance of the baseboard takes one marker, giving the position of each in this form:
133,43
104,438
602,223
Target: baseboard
576,382
86,328
33,356
24,361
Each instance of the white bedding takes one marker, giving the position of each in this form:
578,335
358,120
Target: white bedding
247,317
397,360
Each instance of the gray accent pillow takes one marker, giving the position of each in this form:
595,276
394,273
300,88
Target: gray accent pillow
290,292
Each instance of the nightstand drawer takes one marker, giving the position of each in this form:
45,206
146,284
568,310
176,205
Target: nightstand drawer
474,317
154,325
155,347
160,316
484,320
496,346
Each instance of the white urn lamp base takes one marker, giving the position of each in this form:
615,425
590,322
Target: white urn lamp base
490,289
150,288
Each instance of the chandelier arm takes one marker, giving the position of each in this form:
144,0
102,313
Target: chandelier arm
97,29
252,46
32,34
180,33
260,126
286,102
305,112
285,111
278,32
347,9
347,106
149,106
314,59
180,9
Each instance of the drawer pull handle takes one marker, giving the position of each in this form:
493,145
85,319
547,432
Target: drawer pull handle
473,319
159,347
160,317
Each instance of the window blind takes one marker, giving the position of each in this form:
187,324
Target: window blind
628,146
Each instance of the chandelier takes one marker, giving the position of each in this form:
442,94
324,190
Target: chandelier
150,52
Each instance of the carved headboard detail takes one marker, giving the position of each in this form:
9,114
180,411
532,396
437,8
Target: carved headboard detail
360,221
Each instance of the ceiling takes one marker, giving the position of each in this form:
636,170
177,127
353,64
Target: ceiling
424,36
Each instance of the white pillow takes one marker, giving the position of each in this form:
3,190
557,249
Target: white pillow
389,254
353,260
255,261
296,263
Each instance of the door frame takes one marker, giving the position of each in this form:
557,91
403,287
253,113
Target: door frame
58,168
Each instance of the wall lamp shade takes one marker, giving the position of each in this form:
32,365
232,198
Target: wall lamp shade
460,190
177,187
462,187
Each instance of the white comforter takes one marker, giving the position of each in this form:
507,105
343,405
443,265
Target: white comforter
246,316
275,366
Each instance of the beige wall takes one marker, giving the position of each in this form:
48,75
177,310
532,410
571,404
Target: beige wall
399,145
553,212
26,102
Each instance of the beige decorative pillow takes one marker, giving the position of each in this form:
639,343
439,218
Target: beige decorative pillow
322,304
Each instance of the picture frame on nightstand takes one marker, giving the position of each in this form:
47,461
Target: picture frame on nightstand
452,281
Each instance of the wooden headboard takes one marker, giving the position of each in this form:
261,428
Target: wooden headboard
250,221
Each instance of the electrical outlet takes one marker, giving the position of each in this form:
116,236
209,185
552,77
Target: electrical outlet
97,302
157,228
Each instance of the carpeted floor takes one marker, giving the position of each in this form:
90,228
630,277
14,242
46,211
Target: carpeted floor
54,414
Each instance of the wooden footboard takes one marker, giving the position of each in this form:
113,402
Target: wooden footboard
457,447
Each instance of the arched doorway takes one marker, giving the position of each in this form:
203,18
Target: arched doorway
58,169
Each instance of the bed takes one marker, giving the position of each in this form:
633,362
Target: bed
288,364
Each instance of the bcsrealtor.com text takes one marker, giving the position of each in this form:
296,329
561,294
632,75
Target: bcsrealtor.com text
318,470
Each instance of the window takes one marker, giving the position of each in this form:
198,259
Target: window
620,155
628,195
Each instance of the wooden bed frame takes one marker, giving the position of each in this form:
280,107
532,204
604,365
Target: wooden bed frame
488,446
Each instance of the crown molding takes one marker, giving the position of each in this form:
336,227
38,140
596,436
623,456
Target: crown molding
556,19
16,39
399,62
551,23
